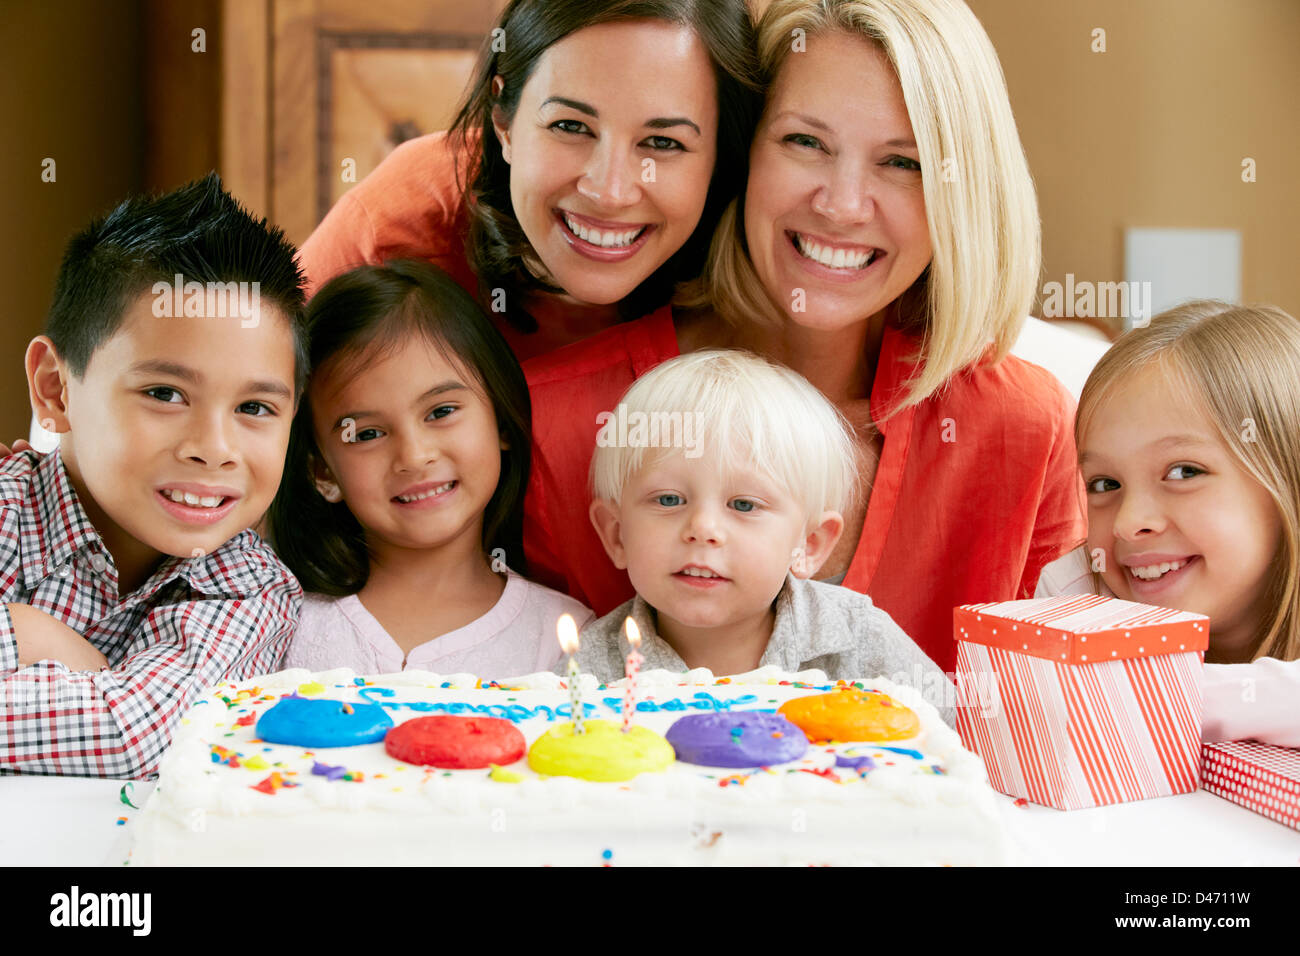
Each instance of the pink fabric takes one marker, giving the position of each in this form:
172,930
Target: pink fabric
516,637
1070,574
1255,701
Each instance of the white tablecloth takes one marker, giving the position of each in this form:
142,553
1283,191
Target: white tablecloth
79,821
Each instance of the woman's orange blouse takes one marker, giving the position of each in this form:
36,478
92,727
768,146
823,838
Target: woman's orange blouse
412,207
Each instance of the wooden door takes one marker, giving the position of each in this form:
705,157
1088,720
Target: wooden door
317,92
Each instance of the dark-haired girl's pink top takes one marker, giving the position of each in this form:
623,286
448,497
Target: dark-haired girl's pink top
947,523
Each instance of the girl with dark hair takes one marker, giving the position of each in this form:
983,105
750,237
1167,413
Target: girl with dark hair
402,496
597,145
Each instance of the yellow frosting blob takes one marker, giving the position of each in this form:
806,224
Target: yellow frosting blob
601,753
502,775
851,715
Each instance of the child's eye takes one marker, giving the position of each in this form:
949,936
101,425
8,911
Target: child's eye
664,143
1097,486
803,139
1187,471
257,409
165,393
366,434
744,505
569,126
668,500
442,411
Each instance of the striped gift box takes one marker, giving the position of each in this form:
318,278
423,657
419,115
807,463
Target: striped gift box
1260,777
1079,701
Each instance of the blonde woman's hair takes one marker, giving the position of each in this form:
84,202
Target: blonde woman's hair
984,229
742,412
1241,365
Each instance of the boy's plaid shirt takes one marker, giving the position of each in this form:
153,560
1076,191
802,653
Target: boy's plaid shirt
227,615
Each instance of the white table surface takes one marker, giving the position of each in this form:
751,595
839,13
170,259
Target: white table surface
73,821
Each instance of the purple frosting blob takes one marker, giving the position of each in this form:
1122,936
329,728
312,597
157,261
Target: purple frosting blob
743,739
857,763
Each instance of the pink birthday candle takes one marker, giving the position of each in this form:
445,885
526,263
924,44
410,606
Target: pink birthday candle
634,660
567,630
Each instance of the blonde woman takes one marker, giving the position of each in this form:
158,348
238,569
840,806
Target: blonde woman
1189,445
886,248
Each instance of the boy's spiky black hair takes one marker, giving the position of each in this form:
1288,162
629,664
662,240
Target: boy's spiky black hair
198,231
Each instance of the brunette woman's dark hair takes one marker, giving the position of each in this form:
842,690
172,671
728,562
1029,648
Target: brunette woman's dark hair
354,318
497,245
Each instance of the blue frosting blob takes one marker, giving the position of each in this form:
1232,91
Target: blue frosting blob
741,739
305,722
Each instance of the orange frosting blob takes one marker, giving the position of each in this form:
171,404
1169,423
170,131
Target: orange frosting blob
851,715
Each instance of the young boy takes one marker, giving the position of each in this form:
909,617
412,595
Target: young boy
173,358
719,485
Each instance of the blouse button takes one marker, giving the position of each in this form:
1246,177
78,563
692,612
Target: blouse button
98,563
63,570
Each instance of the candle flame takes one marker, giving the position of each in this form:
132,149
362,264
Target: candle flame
567,630
633,632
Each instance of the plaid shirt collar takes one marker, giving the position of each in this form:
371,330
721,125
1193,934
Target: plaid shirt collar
242,567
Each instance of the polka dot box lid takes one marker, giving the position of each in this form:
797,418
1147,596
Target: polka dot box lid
1081,629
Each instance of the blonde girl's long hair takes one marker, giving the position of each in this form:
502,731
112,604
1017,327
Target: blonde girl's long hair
1242,365
979,196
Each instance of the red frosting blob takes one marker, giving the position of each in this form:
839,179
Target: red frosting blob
455,743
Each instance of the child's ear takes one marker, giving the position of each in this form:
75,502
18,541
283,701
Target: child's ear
608,521
324,479
47,384
817,545
499,118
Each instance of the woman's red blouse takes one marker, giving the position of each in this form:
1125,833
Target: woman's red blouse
976,490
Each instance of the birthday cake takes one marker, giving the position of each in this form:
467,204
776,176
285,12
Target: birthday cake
418,769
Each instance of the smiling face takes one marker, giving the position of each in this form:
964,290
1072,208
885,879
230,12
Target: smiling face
411,441
705,549
834,204
179,426
611,151
1182,524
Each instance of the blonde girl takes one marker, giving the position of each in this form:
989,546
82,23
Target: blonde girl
1189,445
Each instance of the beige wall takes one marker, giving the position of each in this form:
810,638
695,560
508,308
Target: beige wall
72,80
1153,131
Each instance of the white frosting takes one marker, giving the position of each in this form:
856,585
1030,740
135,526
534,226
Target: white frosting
204,812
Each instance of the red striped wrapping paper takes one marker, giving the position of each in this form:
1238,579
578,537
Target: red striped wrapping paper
1093,700
1260,777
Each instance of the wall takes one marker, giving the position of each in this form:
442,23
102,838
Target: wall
73,78
1150,133
1153,131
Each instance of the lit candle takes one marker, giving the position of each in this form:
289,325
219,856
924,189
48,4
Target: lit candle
634,660
567,629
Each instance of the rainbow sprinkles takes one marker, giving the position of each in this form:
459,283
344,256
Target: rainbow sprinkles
725,757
